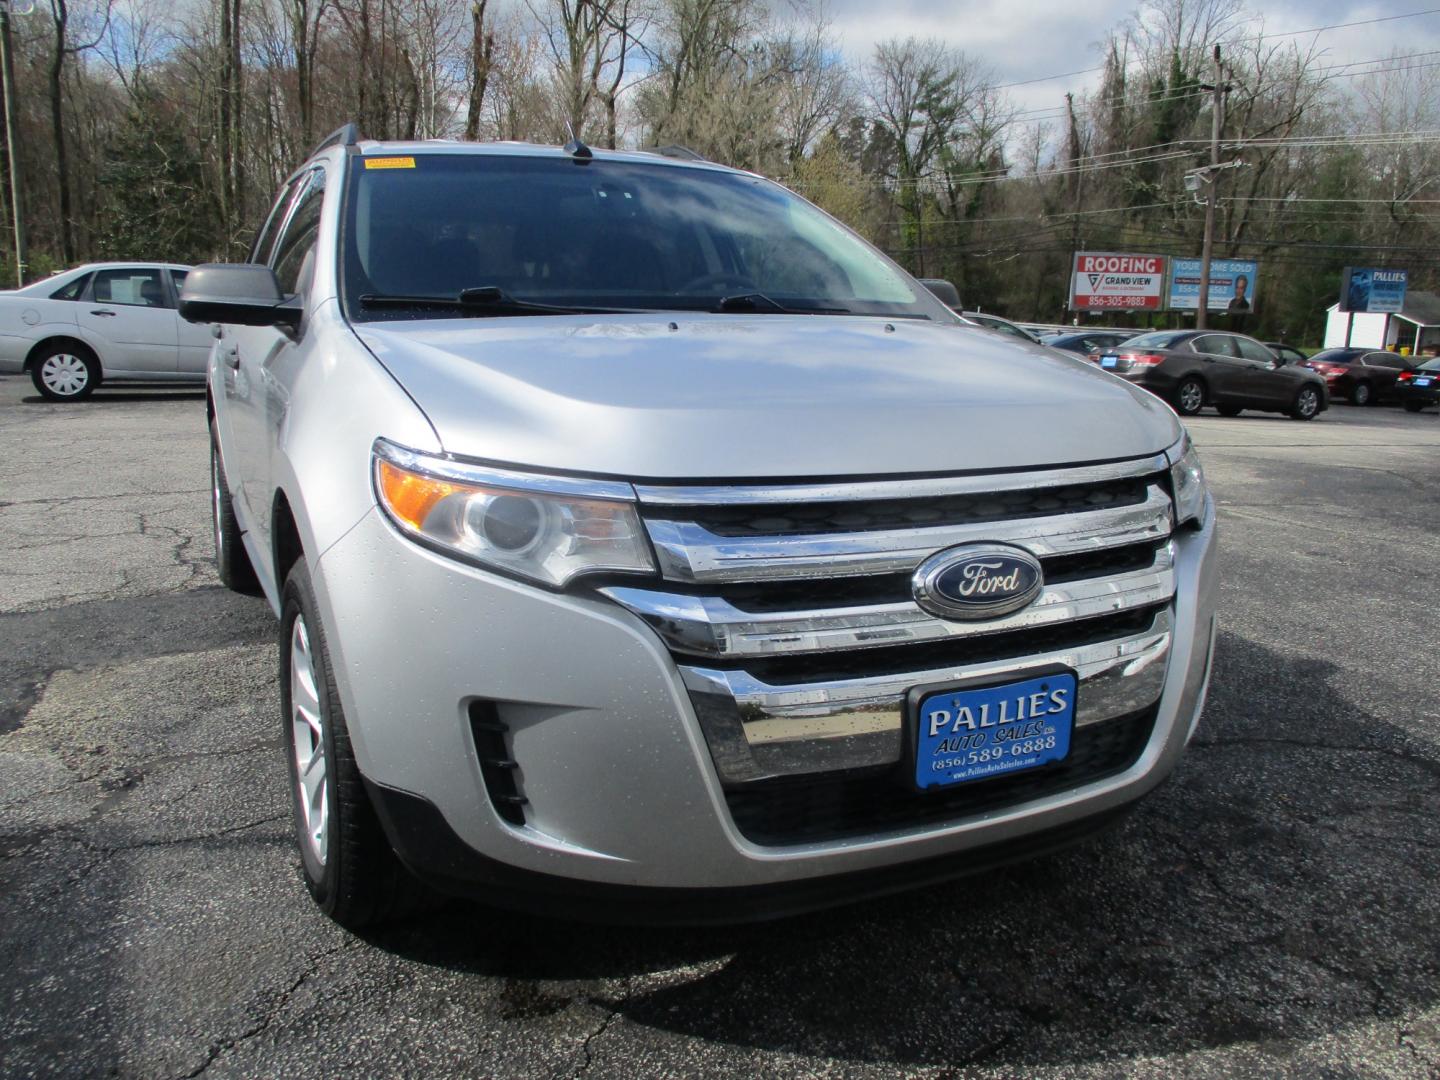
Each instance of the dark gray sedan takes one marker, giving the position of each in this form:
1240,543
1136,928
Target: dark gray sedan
1194,368
1089,341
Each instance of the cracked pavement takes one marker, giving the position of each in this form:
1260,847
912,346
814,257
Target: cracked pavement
1269,911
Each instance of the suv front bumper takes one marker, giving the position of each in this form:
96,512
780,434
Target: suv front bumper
622,790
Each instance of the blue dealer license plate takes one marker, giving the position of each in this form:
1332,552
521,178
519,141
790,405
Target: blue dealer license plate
963,734
1109,361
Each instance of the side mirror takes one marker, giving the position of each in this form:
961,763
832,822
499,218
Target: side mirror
239,293
944,291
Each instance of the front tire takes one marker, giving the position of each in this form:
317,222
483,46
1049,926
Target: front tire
348,865
1306,405
1189,396
232,561
65,373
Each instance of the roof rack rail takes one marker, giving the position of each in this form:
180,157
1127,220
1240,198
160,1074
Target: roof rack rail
348,135
675,150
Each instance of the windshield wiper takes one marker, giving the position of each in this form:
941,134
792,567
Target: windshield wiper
758,302
487,299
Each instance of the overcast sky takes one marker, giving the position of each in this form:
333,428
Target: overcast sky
1026,39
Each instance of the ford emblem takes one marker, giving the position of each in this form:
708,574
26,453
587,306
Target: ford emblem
977,581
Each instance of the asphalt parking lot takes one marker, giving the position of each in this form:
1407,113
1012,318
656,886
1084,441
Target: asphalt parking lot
1272,910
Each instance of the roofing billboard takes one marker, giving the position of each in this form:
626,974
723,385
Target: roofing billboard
1105,281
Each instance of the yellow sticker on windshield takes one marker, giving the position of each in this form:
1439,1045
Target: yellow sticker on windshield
389,163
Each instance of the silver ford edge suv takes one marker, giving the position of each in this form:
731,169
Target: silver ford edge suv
648,546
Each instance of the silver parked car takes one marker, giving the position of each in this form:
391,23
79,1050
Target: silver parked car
646,545
101,322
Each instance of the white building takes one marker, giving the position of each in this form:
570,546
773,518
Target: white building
1413,327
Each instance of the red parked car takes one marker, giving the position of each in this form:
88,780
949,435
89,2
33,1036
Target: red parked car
1360,376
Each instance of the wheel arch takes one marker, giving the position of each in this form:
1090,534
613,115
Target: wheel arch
69,341
286,543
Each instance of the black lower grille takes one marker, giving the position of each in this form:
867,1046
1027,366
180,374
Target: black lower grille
497,767
803,809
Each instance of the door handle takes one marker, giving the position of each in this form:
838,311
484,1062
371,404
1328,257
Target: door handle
102,311
231,356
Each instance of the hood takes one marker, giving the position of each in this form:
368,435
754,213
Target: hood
699,396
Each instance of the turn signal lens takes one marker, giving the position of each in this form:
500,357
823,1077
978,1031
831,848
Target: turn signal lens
520,524
410,496
1187,481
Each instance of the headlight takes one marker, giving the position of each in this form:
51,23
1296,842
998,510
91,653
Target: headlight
1187,479
548,529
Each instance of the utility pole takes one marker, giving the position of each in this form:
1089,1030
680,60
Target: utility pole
1212,180
12,162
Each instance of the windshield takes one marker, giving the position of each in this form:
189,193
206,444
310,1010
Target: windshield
1161,339
607,234
1430,365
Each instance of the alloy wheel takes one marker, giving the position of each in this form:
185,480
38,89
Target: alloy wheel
1308,403
64,374
307,726
1192,398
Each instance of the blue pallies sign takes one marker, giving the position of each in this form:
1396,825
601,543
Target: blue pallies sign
1373,291
962,733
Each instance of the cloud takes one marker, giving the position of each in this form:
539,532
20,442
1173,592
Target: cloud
1028,39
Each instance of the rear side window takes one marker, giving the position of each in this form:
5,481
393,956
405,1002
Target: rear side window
133,288
1385,360
73,290
1253,350
1161,339
1214,345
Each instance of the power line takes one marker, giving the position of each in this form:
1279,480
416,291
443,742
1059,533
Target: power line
1046,113
1346,26
1261,37
1059,217
1377,60
1338,199
940,183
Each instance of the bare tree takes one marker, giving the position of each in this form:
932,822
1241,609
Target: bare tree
589,42
307,21
64,48
482,58
916,95
815,88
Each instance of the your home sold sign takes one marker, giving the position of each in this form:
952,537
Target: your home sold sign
1105,281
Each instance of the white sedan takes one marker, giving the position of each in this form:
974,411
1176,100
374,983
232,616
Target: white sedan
99,322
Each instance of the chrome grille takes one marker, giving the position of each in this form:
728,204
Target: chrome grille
817,518
789,612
